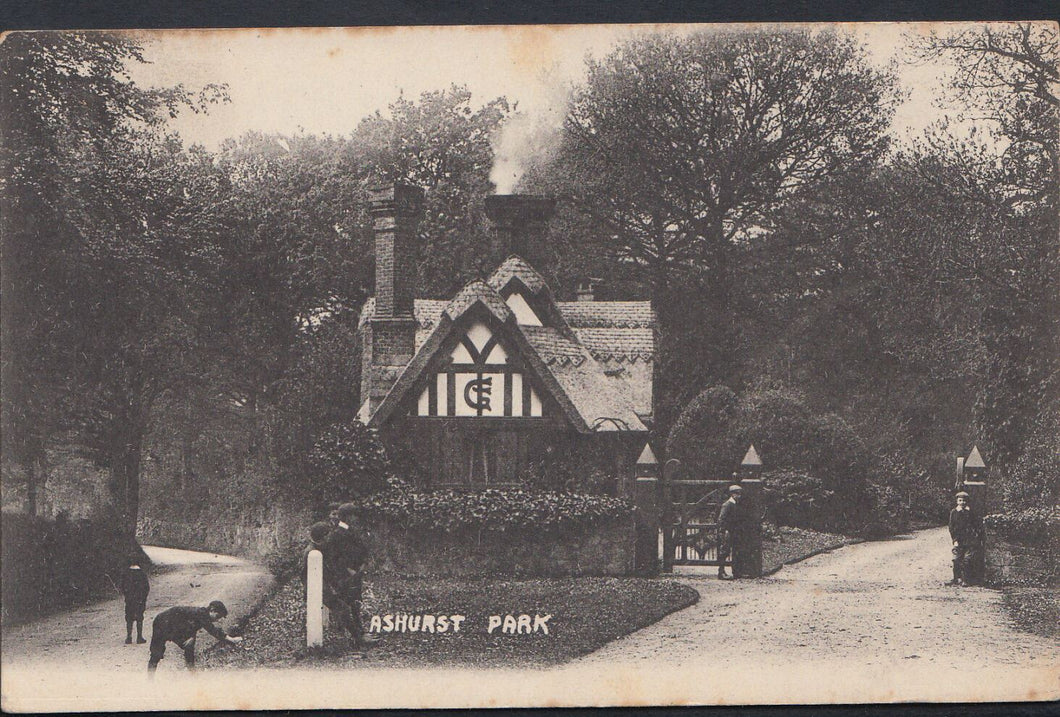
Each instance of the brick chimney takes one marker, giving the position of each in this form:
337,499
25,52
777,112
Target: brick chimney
520,222
390,333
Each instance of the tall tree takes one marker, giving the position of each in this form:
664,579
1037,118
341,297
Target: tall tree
82,210
1007,87
679,151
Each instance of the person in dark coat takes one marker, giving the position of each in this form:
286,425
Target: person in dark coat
728,530
135,587
966,532
181,625
345,555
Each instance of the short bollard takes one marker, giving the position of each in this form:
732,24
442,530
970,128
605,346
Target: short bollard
314,609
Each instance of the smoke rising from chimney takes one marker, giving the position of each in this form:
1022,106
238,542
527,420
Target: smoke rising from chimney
530,137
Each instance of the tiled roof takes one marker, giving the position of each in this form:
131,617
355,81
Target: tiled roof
604,403
516,267
477,291
607,314
604,370
618,345
553,347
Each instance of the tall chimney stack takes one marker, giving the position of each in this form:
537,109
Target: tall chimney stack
395,210
520,222
390,338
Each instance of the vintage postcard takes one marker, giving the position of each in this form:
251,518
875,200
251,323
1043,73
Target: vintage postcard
530,366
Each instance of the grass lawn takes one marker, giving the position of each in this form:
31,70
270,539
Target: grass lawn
586,614
1034,609
788,545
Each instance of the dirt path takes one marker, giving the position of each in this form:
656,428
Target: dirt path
868,614
93,637
867,623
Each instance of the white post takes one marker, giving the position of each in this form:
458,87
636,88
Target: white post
314,623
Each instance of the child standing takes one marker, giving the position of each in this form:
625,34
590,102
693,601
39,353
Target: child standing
135,587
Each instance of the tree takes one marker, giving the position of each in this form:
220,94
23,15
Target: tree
679,152
83,166
443,145
1007,84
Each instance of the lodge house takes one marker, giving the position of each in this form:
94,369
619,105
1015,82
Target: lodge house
478,386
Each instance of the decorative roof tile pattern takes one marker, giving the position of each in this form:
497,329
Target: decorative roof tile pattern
553,347
618,345
515,267
607,314
603,402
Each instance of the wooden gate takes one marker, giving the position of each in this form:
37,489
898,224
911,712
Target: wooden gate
690,520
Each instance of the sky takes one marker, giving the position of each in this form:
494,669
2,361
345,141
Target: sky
325,80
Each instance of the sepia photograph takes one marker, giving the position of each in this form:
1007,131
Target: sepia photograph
530,366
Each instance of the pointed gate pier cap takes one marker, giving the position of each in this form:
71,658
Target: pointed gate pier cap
751,459
975,460
647,465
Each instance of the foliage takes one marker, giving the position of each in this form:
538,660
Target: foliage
493,510
104,249
54,564
702,436
796,498
347,461
678,153
1039,525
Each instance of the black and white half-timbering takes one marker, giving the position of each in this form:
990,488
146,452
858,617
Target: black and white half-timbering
521,366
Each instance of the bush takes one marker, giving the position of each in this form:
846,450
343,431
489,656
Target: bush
796,498
576,466
702,437
53,564
348,461
497,510
1037,526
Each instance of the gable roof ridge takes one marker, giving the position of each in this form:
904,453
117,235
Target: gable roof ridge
477,291
516,267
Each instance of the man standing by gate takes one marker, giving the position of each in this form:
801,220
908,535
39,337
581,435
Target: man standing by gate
728,531
966,534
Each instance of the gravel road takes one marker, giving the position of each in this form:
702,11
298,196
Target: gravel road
852,622
866,623
93,637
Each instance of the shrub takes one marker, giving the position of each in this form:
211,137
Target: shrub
702,435
1039,525
498,510
796,498
54,564
576,466
347,460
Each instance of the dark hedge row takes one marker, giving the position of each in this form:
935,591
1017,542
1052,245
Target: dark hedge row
53,564
1037,526
493,509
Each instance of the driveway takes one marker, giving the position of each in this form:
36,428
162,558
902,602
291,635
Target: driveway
869,621
92,638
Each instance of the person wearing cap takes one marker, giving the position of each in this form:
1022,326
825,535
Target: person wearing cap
181,625
345,555
728,523
135,587
318,533
966,534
